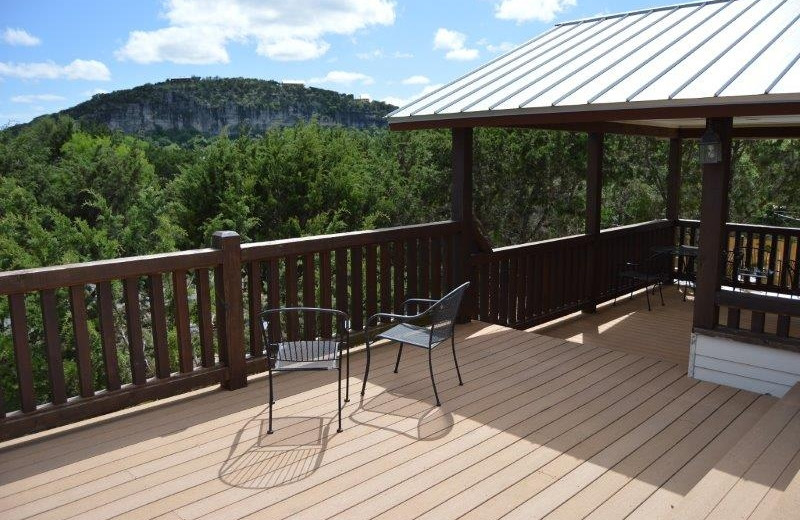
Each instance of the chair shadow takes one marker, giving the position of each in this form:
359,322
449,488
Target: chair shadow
429,422
292,453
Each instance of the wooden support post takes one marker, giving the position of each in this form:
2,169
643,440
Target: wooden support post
462,212
674,181
594,190
230,322
713,216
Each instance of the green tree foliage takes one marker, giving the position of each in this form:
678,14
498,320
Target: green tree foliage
72,192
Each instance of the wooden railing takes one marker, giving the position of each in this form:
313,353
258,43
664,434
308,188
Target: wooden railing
521,286
760,317
100,336
759,258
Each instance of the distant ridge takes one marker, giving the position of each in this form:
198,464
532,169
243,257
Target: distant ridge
208,106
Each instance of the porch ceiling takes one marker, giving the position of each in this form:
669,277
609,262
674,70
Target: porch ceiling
665,68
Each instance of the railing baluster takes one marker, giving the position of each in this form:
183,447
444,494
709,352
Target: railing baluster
158,323
108,337
254,306
512,290
309,295
372,280
77,302
386,278
180,296
291,295
356,285
273,296
399,276
425,268
411,268
55,363
436,268
325,287
22,352
134,322
204,318
757,322
341,280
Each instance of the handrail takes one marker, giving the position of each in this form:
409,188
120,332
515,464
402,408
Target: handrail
53,277
314,244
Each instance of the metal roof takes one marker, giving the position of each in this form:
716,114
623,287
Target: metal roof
729,53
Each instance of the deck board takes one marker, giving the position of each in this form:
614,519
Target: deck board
542,426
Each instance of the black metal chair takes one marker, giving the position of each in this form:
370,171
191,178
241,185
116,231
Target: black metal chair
652,271
306,338
426,329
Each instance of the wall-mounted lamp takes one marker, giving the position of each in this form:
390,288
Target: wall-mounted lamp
710,148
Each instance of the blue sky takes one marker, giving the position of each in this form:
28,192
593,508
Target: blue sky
55,54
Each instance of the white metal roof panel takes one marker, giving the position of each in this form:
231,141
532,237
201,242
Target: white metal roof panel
711,52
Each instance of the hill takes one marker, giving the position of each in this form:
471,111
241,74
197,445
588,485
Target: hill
207,106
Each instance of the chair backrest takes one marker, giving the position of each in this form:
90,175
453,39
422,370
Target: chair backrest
443,313
304,334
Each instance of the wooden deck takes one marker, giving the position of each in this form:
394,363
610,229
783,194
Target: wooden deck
627,325
542,427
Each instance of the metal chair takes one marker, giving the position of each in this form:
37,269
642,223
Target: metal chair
652,271
426,329
306,338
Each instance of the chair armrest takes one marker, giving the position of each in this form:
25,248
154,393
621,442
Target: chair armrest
419,301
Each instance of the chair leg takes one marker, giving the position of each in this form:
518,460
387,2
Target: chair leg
340,398
660,293
399,353
453,344
271,402
366,372
647,293
430,365
347,376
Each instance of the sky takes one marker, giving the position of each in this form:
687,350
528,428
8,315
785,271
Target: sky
55,54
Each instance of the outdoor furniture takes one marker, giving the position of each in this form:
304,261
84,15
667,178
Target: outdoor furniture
650,271
686,270
426,329
306,338
748,267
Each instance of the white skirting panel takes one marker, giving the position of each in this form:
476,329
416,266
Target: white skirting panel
743,365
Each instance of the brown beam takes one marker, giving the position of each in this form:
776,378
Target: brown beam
594,191
594,183
713,216
462,174
462,212
761,132
611,128
674,180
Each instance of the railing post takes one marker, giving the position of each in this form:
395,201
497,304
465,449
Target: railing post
462,211
230,322
594,190
713,232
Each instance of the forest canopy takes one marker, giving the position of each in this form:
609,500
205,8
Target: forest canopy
74,194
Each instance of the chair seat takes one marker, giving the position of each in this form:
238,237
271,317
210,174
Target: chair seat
642,276
307,355
412,335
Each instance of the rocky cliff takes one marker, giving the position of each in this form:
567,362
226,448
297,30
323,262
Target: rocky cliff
208,106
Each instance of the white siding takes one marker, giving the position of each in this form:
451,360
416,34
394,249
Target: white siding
743,365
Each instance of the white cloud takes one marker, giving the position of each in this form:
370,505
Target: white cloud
527,10
453,42
20,37
371,55
341,77
79,69
176,44
35,98
403,55
416,80
200,30
401,101
501,48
